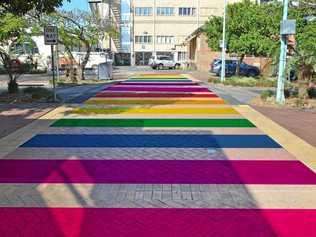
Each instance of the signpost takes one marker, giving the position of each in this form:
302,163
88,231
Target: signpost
288,27
51,38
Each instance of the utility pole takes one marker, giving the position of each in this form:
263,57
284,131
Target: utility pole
223,44
280,98
133,34
110,23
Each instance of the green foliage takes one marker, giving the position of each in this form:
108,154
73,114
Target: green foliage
12,28
267,94
39,93
21,7
252,29
246,81
304,58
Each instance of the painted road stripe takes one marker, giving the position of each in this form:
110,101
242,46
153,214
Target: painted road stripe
150,89
155,95
96,153
154,102
127,83
158,86
191,123
156,172
171,195
149,131
157,80
156,222
159,77
153,110
166,141
141,116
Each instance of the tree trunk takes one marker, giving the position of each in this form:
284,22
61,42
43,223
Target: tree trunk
73,73
304,79
241,59
13,86
85,60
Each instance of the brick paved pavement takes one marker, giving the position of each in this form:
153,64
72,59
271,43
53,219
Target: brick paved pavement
262,190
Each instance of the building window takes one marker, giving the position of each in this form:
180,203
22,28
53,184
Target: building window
187,11
165,11
143,11
165,39
143,39
182,56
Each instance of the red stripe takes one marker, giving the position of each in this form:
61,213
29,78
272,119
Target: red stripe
90,222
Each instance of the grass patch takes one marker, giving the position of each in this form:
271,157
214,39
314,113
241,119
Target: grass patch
39,94
246,81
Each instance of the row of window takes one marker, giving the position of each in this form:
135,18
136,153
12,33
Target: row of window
147,39
165,11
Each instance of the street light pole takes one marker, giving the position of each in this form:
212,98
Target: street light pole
280,98
223,44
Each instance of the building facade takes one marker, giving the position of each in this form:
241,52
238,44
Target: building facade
160,27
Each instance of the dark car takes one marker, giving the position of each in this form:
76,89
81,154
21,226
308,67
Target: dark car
231,68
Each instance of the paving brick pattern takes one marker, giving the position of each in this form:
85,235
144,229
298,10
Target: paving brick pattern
153,209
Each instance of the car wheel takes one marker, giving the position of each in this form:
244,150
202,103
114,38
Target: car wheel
160,66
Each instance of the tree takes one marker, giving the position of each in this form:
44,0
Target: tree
13,31
78,28
252,29
21,7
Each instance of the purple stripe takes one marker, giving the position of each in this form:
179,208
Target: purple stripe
155,171
175,89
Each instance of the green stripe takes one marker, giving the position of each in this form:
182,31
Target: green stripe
198,123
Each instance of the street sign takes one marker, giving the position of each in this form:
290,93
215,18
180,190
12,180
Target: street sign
51,35
51,38
288,27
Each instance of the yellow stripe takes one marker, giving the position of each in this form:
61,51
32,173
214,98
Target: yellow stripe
153,102
155,111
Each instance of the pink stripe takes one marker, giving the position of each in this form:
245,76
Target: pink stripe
156,172
115,222
158,84
174,89
154,95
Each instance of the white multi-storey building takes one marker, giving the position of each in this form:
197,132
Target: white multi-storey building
157,27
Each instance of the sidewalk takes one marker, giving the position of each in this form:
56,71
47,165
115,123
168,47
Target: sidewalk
16,116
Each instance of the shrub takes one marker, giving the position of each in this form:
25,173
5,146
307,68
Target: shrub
39,93
311,92
267,94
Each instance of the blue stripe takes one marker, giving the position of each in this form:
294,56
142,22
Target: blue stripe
176,141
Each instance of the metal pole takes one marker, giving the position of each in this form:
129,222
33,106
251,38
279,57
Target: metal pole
53,68
280,98
57,63
133,35
224,44
154,28
110,23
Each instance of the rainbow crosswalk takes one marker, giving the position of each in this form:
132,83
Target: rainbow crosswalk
155,155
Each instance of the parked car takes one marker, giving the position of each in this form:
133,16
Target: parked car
162,62
231,68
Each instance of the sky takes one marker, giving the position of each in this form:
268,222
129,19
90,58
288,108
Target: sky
76,4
